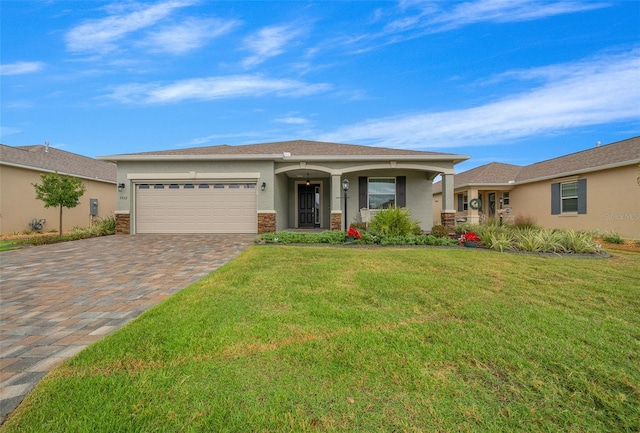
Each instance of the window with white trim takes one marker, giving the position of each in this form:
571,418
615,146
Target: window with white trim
381,192
505,199
463,202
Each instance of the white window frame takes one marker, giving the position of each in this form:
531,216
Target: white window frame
505,198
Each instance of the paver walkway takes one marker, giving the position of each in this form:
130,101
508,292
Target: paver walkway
57,299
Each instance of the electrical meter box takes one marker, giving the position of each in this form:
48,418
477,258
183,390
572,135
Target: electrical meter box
93,206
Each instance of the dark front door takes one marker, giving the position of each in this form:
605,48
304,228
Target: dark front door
307,207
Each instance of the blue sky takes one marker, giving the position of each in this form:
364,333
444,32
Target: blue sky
512,81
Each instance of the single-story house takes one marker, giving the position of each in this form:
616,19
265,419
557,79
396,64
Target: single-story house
261,188
21,167
595,189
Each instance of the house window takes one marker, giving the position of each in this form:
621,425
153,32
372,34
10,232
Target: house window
463,202
382,192
505,198
569,197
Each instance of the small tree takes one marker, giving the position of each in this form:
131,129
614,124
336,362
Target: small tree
59,191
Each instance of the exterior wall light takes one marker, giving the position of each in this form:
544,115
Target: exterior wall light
263,186
120,186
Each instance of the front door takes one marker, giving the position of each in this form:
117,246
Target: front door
308,206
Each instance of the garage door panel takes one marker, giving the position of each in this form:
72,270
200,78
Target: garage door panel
212,208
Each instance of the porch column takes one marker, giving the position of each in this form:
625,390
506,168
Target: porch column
473,216
336,202
448,214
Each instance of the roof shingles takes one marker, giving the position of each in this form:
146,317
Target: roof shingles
50,159
295,148
620,153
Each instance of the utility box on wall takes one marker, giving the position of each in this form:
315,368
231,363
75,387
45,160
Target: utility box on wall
93,206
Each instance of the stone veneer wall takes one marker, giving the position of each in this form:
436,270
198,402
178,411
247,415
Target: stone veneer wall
123,224
266,222
449,222
336,220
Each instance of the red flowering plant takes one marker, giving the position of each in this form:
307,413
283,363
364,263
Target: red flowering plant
353,233
469,237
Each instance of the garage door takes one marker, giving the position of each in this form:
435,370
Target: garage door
196,208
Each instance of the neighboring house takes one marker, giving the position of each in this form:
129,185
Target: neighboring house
21,167
266,187
595,189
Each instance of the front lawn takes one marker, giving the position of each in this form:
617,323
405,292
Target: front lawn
288,338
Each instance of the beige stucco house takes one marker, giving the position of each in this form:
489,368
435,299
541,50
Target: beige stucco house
595,189
20,168
260,188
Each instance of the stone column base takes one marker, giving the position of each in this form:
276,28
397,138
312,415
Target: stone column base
336,220
449,222
123,223
266,222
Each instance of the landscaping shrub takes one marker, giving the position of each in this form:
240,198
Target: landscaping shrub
325,237
394,221
524,222
439,231
532,240
462,228
102,227
578,242
612,238
496,238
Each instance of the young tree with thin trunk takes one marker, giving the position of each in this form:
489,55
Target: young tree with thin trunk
59,191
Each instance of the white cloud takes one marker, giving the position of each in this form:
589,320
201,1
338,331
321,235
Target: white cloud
292,120
8,130
597,91
187,36
102,35
19,68
269,42
415,19
503,11
210,88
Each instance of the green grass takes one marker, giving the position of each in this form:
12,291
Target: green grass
367,340
8,245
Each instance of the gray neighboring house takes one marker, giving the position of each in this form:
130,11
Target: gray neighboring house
261,188
21,166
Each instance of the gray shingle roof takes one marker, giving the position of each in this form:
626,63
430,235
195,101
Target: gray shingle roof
620,153
495,172
295,148
38,157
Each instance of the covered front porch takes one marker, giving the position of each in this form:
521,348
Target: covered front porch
310,196
478,205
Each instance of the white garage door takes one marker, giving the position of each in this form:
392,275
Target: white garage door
196,208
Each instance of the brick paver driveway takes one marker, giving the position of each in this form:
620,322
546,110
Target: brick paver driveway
57,299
